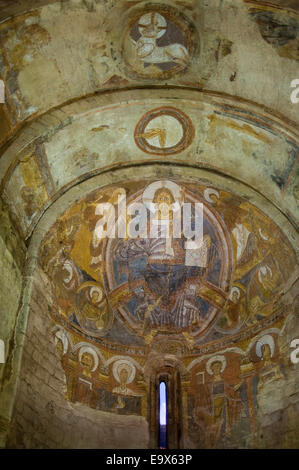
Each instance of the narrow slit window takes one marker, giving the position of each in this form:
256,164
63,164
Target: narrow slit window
162,415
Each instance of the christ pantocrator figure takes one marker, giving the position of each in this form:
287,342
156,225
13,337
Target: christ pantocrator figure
164,262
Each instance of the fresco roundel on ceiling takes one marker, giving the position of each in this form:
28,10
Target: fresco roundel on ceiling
158,43
164,131
149,258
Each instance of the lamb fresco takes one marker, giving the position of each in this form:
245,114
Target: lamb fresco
158,44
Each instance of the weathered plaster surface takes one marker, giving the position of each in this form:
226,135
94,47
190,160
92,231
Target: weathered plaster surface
81,82
43,417
229,55
89,137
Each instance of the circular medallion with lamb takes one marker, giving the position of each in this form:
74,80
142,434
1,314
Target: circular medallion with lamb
158,43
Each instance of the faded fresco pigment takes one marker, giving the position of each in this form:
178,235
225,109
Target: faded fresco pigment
149,224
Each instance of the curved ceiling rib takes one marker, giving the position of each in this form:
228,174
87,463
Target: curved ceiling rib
45,62
172,104
86,137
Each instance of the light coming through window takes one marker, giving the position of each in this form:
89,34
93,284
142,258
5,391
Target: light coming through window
162,415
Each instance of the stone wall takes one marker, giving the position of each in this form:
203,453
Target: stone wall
43,417
12,257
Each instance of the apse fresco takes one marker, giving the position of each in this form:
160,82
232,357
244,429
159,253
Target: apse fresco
229,395
103,384
130,279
